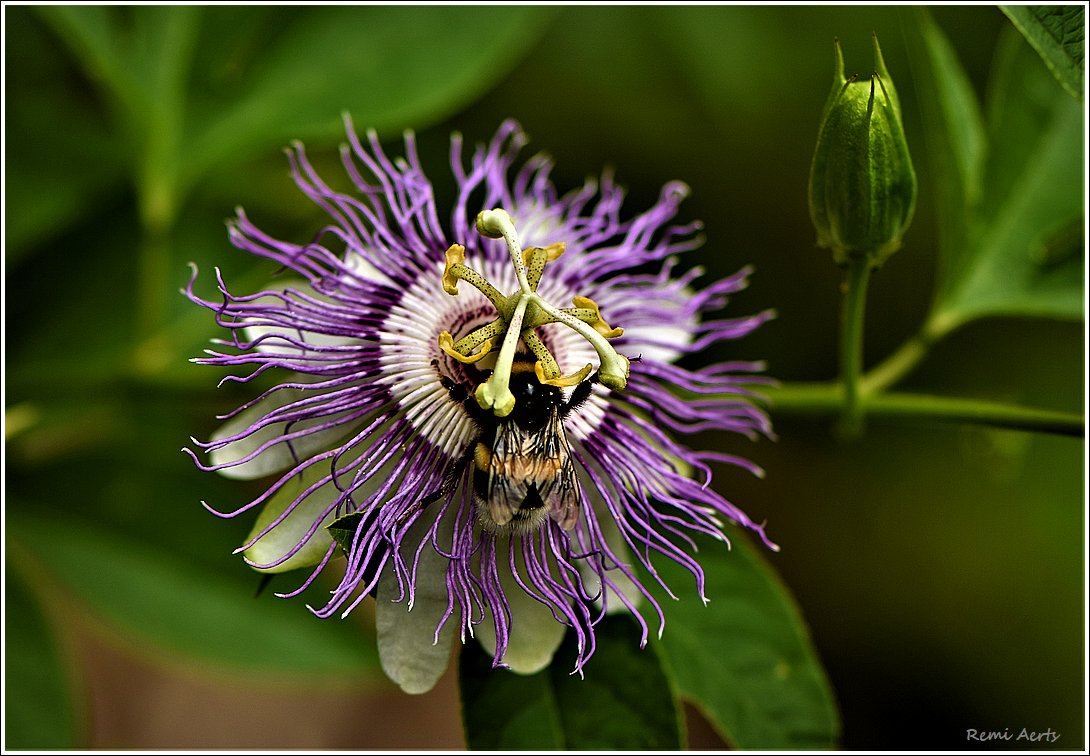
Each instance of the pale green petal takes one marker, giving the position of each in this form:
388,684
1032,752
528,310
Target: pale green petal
534,635
285,536
407,646
276,458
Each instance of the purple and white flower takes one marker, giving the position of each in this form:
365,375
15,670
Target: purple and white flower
365,429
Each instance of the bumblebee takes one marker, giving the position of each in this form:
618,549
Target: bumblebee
523,471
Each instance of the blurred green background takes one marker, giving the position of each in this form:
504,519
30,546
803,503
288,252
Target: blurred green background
941,568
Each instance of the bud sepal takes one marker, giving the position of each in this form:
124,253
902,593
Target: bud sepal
862,183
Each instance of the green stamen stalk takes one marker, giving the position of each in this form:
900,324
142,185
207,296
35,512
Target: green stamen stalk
522,312
495,393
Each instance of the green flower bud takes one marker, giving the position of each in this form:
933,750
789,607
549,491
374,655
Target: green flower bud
862,185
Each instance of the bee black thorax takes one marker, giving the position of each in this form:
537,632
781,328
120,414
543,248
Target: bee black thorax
535,403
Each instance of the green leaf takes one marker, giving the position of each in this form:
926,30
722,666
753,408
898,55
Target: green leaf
1021,258
624,701
140,57
387,66
502,711
94,35
61,160
746,658
955,138
61,169
1006,194
290,74
38,712
169,603
1058,34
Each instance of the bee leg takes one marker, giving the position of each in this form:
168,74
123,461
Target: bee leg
582,392
457,391
579,396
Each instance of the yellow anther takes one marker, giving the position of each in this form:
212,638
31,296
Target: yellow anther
456,255
552,252
446,343
600,325
563,381
519,313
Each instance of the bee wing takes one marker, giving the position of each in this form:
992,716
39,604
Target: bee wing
562,497
560,490
508,472
532,467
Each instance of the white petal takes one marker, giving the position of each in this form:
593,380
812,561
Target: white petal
279,457
280,346
534,634
653,342
284,537
407,646
355,262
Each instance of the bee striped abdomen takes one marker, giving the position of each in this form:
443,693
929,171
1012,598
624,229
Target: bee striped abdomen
523,472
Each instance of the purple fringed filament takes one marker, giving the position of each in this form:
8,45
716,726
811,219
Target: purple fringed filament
391,373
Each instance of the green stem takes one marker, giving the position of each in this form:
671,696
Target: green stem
851,343
826,399
897,365
908,355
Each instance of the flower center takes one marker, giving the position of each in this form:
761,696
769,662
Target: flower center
519,313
